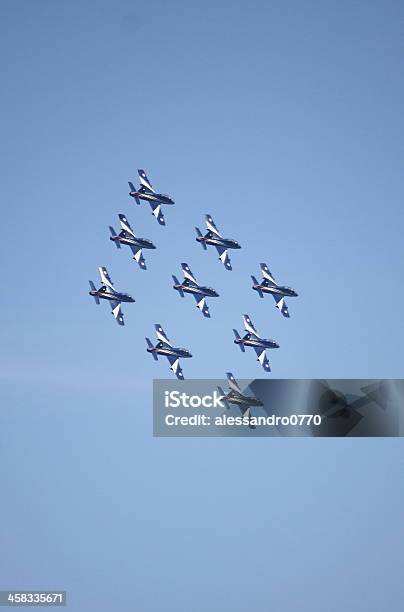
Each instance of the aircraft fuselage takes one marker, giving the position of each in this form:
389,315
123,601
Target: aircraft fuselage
226,243
276,290
159,198
142,243
206,291
257,342
107,295
170,351
243,400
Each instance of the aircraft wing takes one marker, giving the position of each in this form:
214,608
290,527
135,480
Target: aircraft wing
137,256
117,312
224,257
281,304
201,304
267,274
144,181
161,334
156,208
105,278
262,358
210,224
125,225
248,325
233,384
175,366
187,273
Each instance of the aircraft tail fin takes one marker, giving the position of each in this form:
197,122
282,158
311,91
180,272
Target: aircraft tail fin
113,234
176,282
254,280
133,191
96,298
242,348
222,399
150,345
200,235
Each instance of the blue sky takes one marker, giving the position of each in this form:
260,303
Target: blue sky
284,121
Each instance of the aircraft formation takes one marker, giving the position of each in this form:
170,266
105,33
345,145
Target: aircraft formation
189,284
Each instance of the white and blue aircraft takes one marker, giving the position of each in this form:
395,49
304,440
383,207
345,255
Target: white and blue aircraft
127,236
108,292
165,348
147,193
236,397
214,238
278,292
251,338
189,285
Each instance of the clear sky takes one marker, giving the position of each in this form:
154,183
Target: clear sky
283,121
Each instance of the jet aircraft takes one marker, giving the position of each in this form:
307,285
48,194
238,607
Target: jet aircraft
213,237
165,348
251,338
236,397
127,236
147,193
108,292
278,292
189,285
